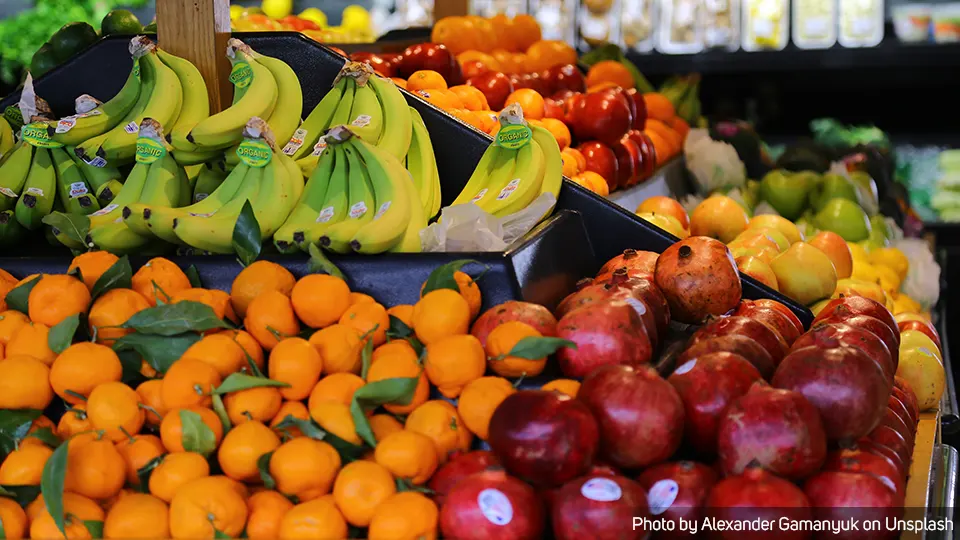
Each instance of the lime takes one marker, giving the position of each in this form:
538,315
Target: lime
43,60
120,21
150,28
71,39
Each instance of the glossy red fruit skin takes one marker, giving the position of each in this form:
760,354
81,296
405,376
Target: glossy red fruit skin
564,77
606,333
640,109
773,304
473,68
647,151
872,325
708,385
746,347
872,447
629,161
553,108
624,97
462,518
602,160
891,438
527,80
896,417
432,56
772,318
778,429
922,326
535,315
832,335
458,468
576,516
844,384
843,496
378,63
858,461
546,438
859,305
646,289
632,258
757,494
693,482
699,278
616,288
743,326
903,392
639,414
601,116
496,87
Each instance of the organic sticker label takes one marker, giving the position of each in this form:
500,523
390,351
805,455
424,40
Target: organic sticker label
495,506
514,136
14,115
326,215
362,121
149,150
358,210
105,210
241,75
8,192
255,153
296,142
687,366
200,196
34,191
508,189
66,124
38,134
319,147
480,194
98,162
661,496
601,490
78,189
382,210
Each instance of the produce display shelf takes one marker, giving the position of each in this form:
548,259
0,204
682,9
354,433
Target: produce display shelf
945,234
394,41
458,147
946,311
669,181
927,471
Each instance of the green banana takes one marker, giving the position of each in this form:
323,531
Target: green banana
72,188
98,178
341,116
13,174
285,119
389,180
333,208
128,194
116,238
186,158
39,191
317,122
76,129
11,231
422,164
337,237
162,188
308,206
524,186
196,102
214,233
7,139
397,123
366,113
209,179
107,192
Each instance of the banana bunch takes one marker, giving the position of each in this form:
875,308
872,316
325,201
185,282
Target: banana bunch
522,163
155,180
7,139
359,198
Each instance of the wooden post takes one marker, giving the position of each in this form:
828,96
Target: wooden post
198,30
449,8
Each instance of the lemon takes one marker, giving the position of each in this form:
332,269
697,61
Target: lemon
857,252
865,271
889,279
355,18
314,15
236,12
904,304
892,258
277,9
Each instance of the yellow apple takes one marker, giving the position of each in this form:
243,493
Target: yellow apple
903,303
865,271
759,241
911,339
720,217
667,223
893,258
857,252
835,247
923,371
779,223
758,270
912,316
888,278
773,234
805,273
858,287
764,254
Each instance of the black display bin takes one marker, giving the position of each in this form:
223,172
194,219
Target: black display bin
459,147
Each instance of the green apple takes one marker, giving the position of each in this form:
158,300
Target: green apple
831,186
806,228
867,188
880,226
787,192
751,193
844,217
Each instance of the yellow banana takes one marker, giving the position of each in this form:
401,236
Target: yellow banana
397,123
73,130
366,116
389,180
338,236
285,118
317,122
553,162
524,186
335,205
196,102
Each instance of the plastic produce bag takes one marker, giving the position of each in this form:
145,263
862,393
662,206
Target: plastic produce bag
713,164
465,227
923,279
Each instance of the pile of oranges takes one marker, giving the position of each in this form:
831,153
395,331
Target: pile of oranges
322,413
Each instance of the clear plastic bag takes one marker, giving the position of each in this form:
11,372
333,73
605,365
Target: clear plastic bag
556,18
713,164
465,227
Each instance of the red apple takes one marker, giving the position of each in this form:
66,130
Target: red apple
377,62
432,56
564,77
458,468
601,116
473,68
492,504
647,153
629,161
602,160
553,108
496,87
547,438
640,415
624,97
677,491
598,507
922,326
570,102
640,109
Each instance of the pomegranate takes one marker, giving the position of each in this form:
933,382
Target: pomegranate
903,391
617,288
773,304
458,468
874,326
639,414
841,496
599,507
890,438
549,495
757,494
832,335
535,315
844,384
632,272
859,461
772,318
757,331
644,288
733,343
546,438
707,385
698,277
492,504
606,333
645,261
777,429
858,305
872,447
896,420
677,490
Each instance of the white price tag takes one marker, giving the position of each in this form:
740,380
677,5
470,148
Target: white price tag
78,189
358,210
105,210
508,189
34,191
325,215
131,128
66,124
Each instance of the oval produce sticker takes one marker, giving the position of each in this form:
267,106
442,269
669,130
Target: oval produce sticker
661,496
241,75
149,150
495,506
514,136
255,153
601,490
38,134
